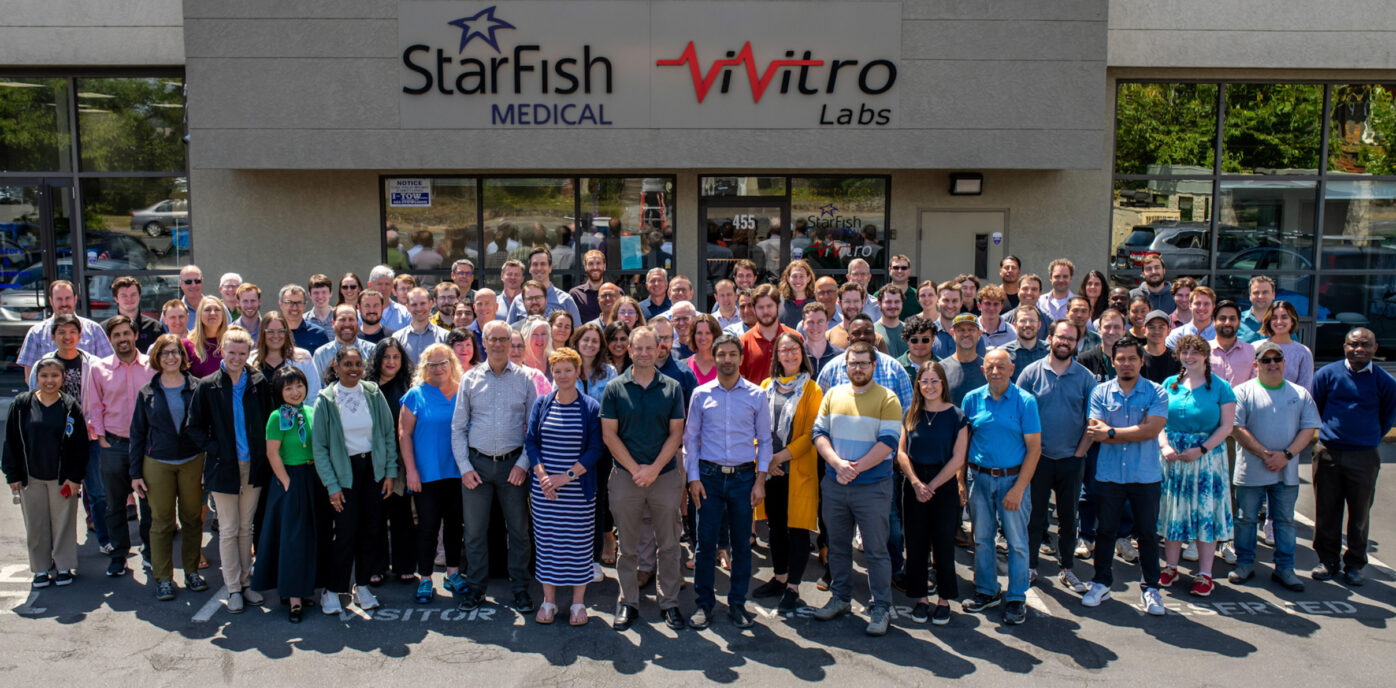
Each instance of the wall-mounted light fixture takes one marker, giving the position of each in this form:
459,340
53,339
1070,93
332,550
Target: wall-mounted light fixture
966,183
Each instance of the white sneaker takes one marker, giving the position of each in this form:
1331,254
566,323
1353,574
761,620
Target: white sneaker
1267,534
596,573
1228,554
365,599
1084,548
329,603
1153,602
1126,550
1097,594
858,539
1069,581
1190,553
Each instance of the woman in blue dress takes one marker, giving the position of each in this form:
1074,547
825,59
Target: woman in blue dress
1196,501
563,443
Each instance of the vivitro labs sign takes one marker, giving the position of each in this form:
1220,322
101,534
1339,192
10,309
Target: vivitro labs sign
641,65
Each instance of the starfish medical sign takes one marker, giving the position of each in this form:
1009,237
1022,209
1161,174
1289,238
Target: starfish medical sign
828,209
482,25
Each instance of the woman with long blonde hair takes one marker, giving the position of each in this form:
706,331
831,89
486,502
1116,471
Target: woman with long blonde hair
424,434
202,344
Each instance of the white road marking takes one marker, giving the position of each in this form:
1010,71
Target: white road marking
355,610
211,606
1371,560
28,606
1035,601
16,573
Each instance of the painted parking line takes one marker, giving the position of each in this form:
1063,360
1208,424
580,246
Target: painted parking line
211,606
25,608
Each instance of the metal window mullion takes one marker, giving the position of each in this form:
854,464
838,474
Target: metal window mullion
1326,131
1217,146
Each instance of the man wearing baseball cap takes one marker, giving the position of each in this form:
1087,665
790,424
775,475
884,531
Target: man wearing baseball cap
1159,361
964,368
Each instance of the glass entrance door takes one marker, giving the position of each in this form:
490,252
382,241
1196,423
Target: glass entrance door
735,230
36,248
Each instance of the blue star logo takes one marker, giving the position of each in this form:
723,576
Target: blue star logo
482,26
828,209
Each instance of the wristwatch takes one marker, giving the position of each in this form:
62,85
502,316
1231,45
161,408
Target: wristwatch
1288,454
571,474
1111,434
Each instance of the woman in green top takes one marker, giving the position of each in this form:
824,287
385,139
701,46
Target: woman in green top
290,544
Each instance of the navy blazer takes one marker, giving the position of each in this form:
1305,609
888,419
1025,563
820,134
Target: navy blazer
591,437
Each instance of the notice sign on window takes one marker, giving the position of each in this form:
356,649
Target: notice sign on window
409,193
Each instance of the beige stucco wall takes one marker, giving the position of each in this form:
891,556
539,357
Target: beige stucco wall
103,33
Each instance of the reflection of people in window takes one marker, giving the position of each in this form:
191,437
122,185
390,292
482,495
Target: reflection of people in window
562,250
719,256
427,258
870,249
503,241
799,238
655,256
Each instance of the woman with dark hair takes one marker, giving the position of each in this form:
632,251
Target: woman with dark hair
288,549
45,459
1139,309
424,434
466,347
562,326
276,347
1196,501
355,445
796,289
703,332
618,345
350,287
388,367
1094,288
1279,323
628,311
792,490
935,438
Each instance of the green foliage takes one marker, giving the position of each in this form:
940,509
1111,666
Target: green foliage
1276,126
34,132
1164,124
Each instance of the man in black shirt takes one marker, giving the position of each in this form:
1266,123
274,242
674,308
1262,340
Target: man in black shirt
126,291
1159,362
371,327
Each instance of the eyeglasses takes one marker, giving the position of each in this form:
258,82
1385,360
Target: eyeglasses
931,380
349,286
170,353
437,364
901,267
921,340
271,332
1271,360
497,339
789,350
193,281
293,303
860,364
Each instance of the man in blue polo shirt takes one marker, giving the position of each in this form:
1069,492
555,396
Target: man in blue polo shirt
1003,453
1126,416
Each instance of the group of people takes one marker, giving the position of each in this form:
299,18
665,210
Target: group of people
369,440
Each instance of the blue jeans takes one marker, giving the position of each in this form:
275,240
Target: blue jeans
988,514
726,507
1249,500
96,494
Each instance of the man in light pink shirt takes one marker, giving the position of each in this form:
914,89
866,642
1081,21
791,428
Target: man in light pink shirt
110,400
1232,359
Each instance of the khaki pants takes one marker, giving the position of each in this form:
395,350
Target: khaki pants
49,526
235,512
167,485
629,505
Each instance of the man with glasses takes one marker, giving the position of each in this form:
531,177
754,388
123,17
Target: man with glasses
540,268
860,273
228,289
306,335
420,333
534,300
191,286
746,311
447,296
606,297
682,315
899,270
919,334
463,276
38,341
1276,421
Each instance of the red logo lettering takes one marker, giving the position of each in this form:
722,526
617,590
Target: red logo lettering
703,82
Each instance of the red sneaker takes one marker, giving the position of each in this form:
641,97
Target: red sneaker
1167,576
1202,586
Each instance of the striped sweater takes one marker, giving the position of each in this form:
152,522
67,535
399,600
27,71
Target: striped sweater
854,423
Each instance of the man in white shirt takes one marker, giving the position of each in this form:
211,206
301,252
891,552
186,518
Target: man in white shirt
1054,302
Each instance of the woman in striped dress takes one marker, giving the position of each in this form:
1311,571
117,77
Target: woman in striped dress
563,443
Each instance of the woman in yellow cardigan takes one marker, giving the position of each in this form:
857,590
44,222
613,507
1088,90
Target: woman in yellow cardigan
792,490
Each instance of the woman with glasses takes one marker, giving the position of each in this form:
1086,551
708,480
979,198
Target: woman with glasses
350,286
202,344
792,490
796,289
538,339
934,440
424,433
703,332
276,347
589,341
462,342
561,323
628,311
1196,501
390,369
1280,321
167,466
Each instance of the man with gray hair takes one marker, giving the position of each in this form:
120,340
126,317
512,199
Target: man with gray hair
228,288
463,274
859,271
395,315
681,316
306,335
657,284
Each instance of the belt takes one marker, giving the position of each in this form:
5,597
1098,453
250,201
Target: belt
728,470
507,456
997,472
112,437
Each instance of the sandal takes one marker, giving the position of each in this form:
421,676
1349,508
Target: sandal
203,561
608,550
547,613
579,615
375,580
724,559
294,614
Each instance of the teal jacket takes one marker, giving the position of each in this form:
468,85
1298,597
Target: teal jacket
327,435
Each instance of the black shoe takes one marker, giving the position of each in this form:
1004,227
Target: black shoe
41,580
790,603
1015,613
899,582
523,602
1354,577
117,568
941,615
770,588
195,583
625,617
470,600
741,618
701,617
1324,572
921,613
294,614
673,619
980,602
63,578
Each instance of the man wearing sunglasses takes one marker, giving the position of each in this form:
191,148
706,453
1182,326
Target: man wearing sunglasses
899,269
191,284
1276,421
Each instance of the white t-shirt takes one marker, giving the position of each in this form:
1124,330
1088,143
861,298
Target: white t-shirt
355,419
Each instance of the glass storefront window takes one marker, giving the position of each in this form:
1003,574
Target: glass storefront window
626,218
155,291
1359,225
1266,225
138,223
129,125
1272,128
741,186
1362,130
521,213
1349,301
37,134
1165,128
423,238
837,219
1292,288
1167,217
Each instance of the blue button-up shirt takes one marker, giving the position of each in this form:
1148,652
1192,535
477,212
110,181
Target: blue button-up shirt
1061,404
1129,462
396,316
557,299
240,417
1249,330
417,342
888,373
1189,328
721,424
999,426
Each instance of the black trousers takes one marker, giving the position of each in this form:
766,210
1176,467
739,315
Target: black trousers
1343,479
790,547
356,527
1144,499
116,482
1062,478
929,529
439,510
605,522
398,537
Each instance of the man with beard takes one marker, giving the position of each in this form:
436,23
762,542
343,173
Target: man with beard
759,343
420,333
447,296
38,342
850,304
1233,360
540,268
249,308
587,295
112,385
1062,388
1027,348
1155,287
346,333
1010,270
534,299
371,305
